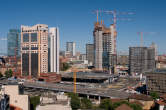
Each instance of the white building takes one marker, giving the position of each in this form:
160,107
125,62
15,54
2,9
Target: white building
71,47
17,101
54,49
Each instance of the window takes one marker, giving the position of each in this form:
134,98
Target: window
33,37
25,37
34,48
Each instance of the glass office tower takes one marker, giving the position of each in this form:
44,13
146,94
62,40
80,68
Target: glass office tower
13,42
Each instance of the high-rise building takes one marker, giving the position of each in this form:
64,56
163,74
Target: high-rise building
71,47
90,53
141,59
153,45
104,46
13,42
54,49
34,50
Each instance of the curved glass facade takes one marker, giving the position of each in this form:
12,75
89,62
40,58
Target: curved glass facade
13,42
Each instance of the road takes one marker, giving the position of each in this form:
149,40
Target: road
86,90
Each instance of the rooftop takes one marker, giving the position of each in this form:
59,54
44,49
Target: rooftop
157,71
141,97
88,75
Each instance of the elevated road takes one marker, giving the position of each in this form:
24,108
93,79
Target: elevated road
85,90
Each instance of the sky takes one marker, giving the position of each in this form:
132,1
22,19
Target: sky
75,19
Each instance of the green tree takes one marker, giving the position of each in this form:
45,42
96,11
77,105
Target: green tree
1,75
134,106
86,103
106,104
75,101
154,95
34,101
9,73
65,66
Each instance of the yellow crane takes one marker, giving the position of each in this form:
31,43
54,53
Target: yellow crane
74,79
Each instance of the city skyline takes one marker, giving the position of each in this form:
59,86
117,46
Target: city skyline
76,20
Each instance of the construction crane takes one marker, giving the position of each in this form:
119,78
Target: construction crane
115,13
141,38
97,12
74,70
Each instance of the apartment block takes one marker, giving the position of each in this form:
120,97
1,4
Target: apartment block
141,59
156,81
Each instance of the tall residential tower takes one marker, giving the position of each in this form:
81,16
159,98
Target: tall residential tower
54,49
34,50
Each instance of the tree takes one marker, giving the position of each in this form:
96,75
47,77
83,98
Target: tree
86,103
65,66
75,101
1,75
34,101
106,104
9,73
154,95
134,106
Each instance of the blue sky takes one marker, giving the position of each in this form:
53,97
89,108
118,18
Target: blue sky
76,20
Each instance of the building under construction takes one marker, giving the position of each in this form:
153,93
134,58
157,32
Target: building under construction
104,46
156,81
141,59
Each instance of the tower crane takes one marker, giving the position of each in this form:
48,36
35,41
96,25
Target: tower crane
141,37
115,13
74,70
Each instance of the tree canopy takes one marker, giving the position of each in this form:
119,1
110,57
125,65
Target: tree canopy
154,95
8,73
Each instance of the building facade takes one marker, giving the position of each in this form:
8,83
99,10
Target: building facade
90,53
13,42
141,59
54,49
71,47
156,81
34,50
104,46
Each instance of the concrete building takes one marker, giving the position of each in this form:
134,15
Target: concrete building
141,59
122,60
55,102
153,45
156,81
54,49
17,101
104,46
71,47
34,50
90,54
13,42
